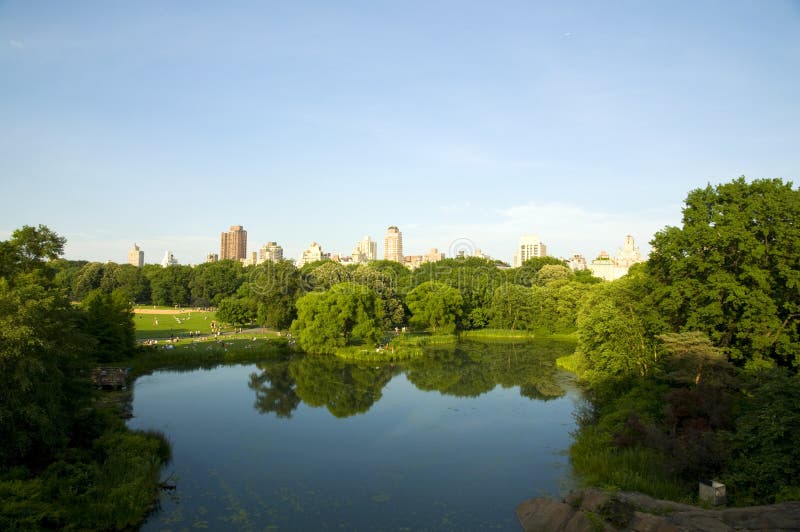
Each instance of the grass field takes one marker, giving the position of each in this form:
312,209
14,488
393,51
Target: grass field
161,326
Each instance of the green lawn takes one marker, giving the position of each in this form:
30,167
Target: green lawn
160,326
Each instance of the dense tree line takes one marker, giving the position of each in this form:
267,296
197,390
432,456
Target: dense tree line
61,458
692,359
454,294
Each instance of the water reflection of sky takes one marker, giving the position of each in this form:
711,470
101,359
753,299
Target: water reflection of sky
417,459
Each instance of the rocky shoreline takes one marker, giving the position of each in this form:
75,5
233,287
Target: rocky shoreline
593,510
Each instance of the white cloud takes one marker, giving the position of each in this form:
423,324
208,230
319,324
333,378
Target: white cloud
19,45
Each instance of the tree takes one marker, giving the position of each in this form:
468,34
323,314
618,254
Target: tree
275,286
40,352
347,314
733,270
87,279
211,282
476,280
237,310
526,273
551,272
169,286
109,319
512,307
435,306
615,330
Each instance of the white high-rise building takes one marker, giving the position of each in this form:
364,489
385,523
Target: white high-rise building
366,250
529,247
312,254
393,245
169,259
136,256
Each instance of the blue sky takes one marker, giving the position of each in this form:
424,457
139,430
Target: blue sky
163,123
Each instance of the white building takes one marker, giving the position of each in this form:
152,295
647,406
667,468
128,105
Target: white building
136,256
529,247
577,262
250,260
312,254
169,259
610,269
270,251
366,250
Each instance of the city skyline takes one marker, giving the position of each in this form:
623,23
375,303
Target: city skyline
579,122
462,247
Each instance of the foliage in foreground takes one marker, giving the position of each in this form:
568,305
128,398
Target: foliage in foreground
112,484
691,361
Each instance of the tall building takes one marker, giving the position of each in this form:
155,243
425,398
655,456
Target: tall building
393,245
169,259
136,256
312,254
529,247
366,250
233,244
270,251
212,257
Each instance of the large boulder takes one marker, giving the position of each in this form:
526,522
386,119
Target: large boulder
592,510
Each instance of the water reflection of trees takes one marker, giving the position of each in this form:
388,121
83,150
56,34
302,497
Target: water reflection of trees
344,388
467,370
473,369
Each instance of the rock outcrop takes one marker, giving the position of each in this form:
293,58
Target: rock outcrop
591,510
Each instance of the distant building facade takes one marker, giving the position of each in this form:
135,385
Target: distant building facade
366,250
434,255
250,260
312,254
577,262
136,256
529,247
610,269
169,259
393,245
270,251
212,257
233,244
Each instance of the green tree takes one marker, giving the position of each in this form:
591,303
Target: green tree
614,330
476,280
87,279
211,282
109,319
237,310
435,306
765,467
274,286
551,272
526,273
512,307
347,314
733,268
41,352
169,286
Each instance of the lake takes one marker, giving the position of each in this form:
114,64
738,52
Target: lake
451,441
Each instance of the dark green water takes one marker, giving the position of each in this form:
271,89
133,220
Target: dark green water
453,441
